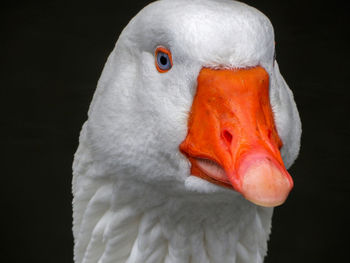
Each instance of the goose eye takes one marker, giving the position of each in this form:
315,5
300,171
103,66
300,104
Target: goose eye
163,59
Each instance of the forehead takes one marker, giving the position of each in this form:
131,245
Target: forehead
211,30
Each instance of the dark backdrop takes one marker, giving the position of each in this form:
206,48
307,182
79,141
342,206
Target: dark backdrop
52,53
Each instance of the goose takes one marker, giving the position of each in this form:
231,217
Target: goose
189,136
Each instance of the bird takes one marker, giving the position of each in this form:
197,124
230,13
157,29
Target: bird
189,135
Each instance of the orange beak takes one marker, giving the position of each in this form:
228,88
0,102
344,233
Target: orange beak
232,139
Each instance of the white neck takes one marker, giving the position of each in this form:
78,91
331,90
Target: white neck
125,221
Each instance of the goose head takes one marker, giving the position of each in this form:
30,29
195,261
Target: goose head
191,99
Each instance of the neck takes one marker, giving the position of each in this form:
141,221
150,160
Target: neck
123,221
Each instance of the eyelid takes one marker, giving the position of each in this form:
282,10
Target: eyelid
166,51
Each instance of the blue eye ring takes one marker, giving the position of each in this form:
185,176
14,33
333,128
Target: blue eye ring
163,59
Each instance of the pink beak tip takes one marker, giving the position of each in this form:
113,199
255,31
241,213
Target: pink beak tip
265,184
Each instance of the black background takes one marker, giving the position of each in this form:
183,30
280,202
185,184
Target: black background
52,53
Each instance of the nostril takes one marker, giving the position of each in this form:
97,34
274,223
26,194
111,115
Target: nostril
227,136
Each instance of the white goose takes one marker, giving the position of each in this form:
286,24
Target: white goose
180,159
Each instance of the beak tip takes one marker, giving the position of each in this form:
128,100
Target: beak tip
265,184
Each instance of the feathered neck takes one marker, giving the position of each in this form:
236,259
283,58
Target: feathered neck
120,221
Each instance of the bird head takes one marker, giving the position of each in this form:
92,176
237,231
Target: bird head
191,100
